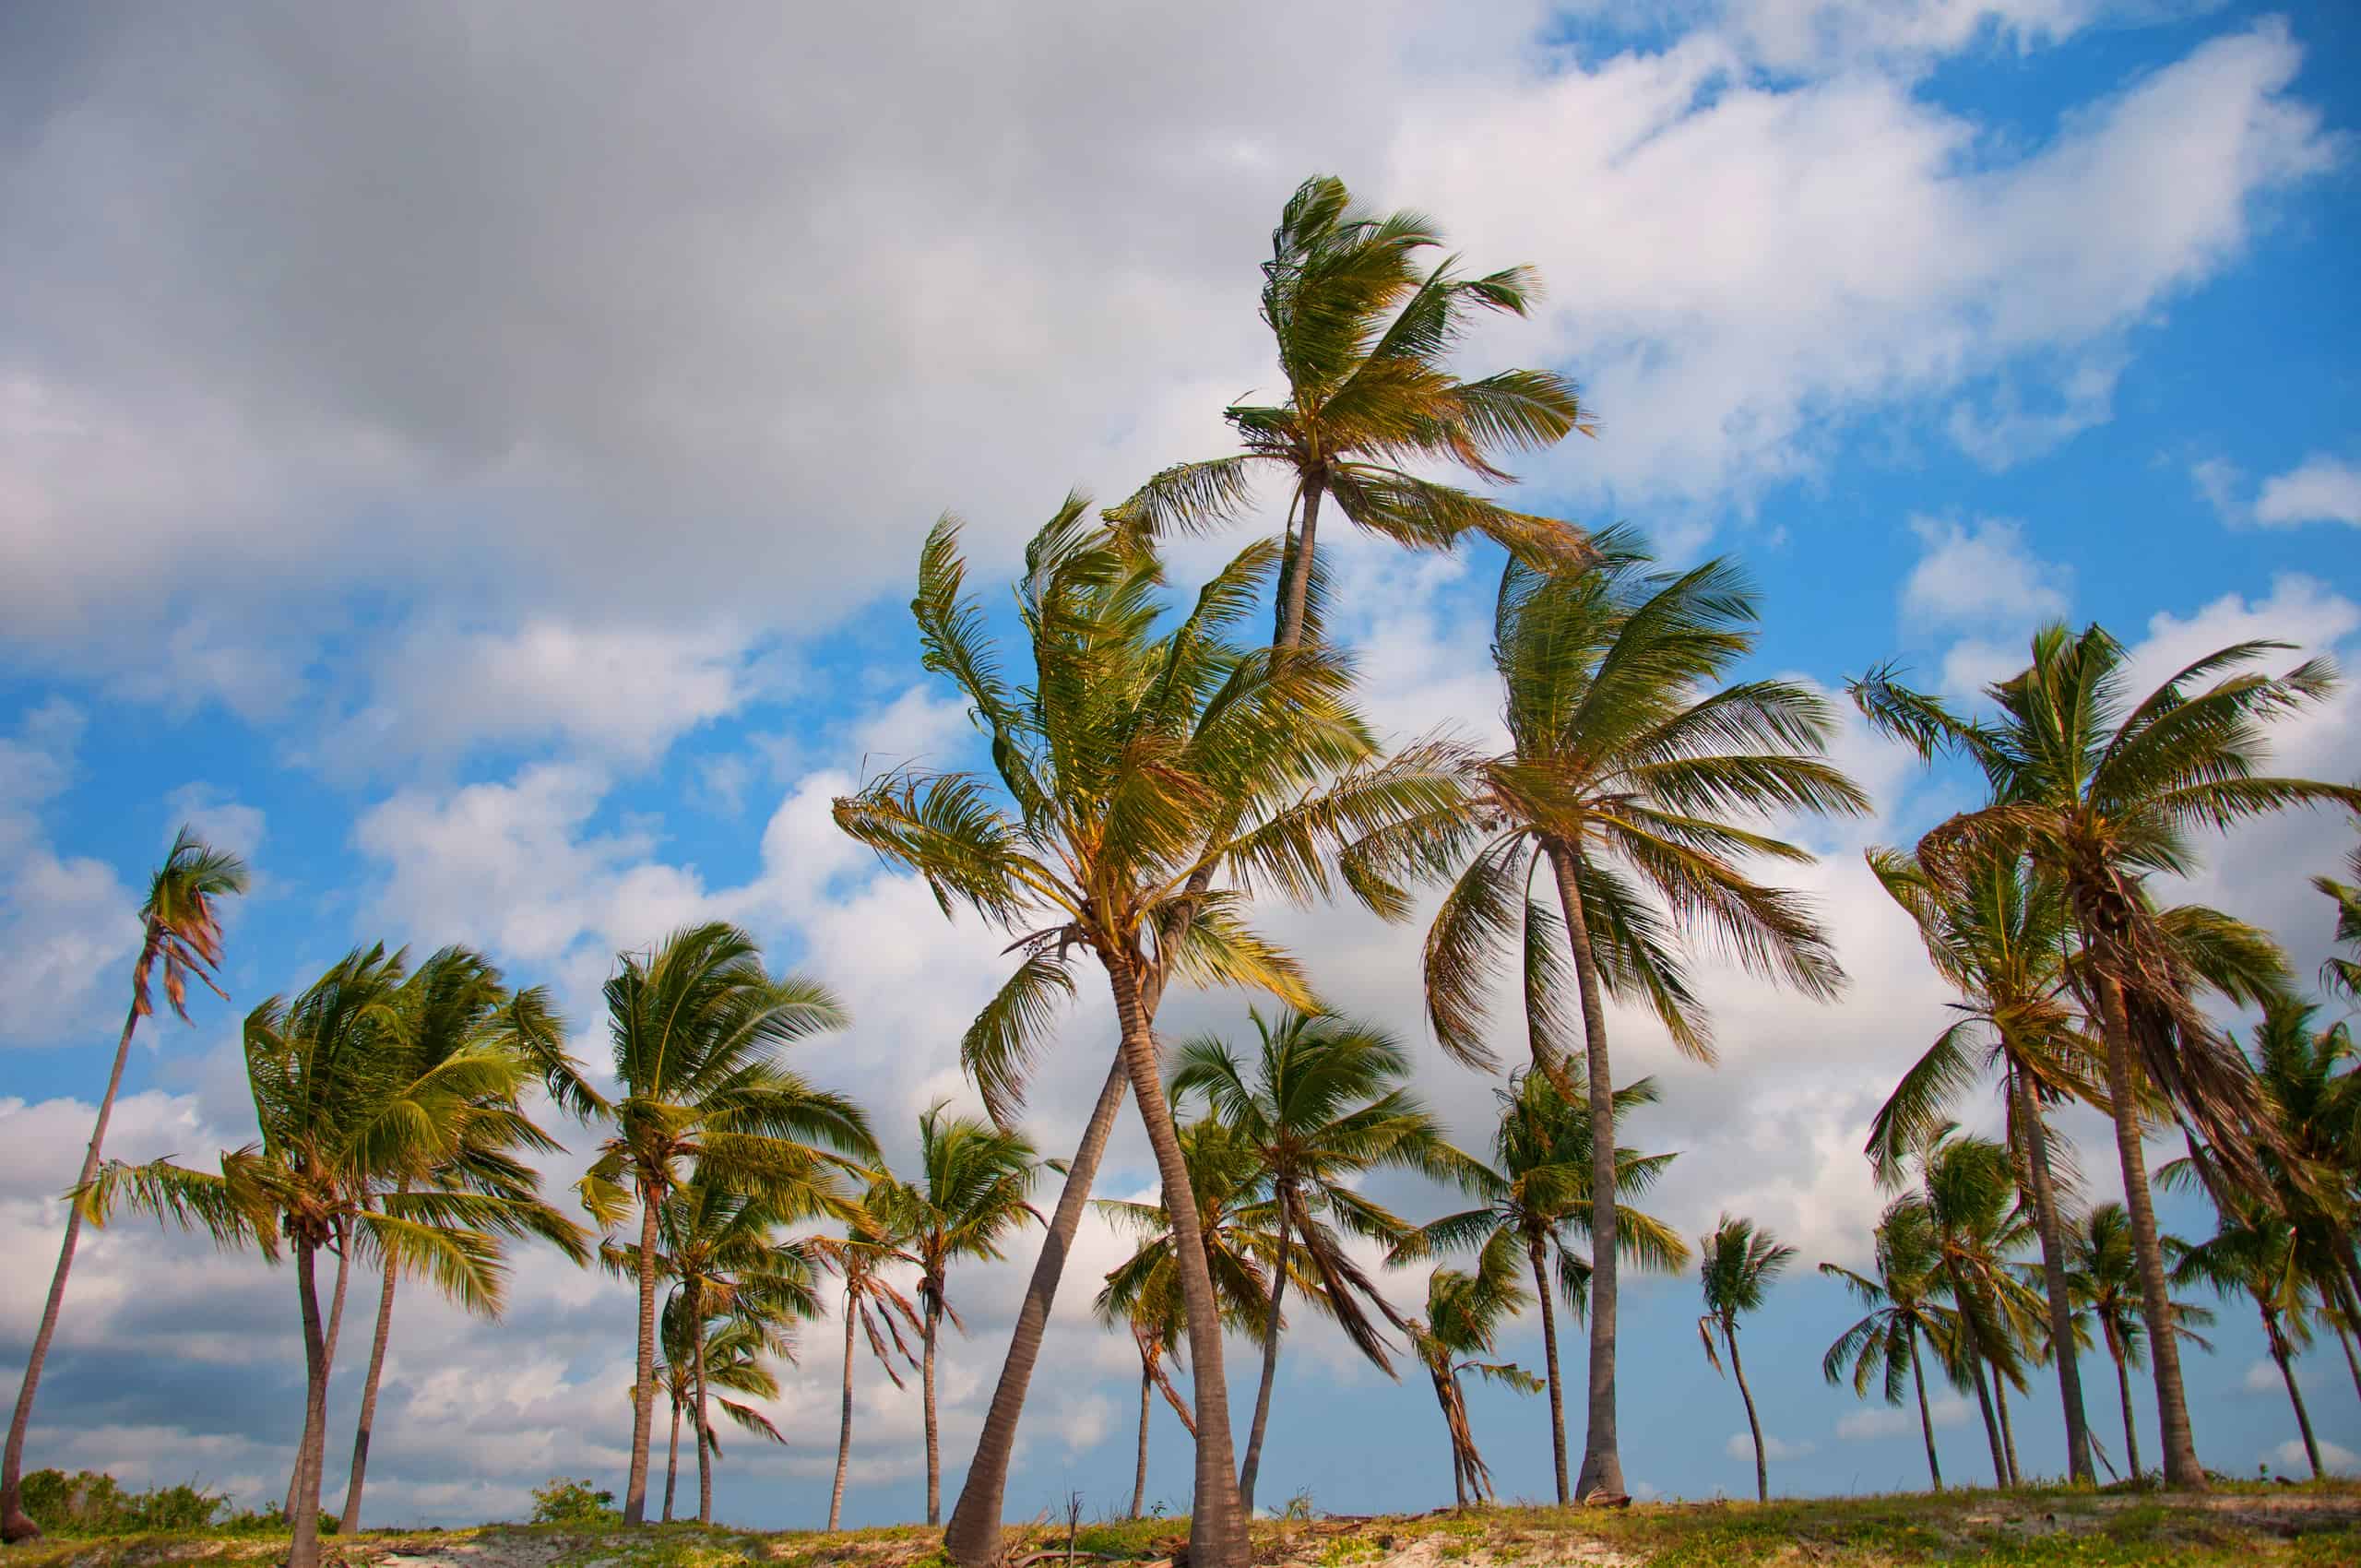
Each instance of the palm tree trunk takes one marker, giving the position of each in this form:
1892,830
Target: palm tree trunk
1539,1258
13,1525
2280,1353
1139,1470
2181,1468
643,1389
2352,1363
1216,1523
973,1540
1991,1425
317,1463
1289,630
1926,1416
1270,1359
1602,1455
844,1422
1761,1469
2052,1278
1458,1470
2008,1432
350,1522
704,1423
672,1463
2123,1391
934,1445
303,1550
2346,1304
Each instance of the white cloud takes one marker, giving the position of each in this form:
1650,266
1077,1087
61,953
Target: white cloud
2337,1459
1880,1422
2220,481
2004,432
1741,1446
2262,1377
1980,574
65,920
219,818
2322,489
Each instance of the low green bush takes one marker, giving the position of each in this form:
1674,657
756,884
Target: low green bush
568,1502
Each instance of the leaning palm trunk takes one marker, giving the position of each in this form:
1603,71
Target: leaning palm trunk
1139,1470
1217,1524
350,1522
2123,1392
1926,1416
2281,1353
973,1540
13,1525
1984,1404
2181,1468
1540,1261
1270,1362
2036,1133
704,1416
303,1550
317,1462
2007,1432
672,1463
643,1388
844,1420
1602,1457
1753,1425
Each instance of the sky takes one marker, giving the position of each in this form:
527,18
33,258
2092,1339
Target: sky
472,462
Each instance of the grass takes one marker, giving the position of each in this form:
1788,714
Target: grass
2240,1525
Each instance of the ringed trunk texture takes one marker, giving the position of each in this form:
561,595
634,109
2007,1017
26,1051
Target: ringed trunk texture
1540,1260
1290,631
2181,1468
317,1462
643,1389
2053,1279
1139,1471
1602,1455
1926,1417
703,1418
13,1525
973,1538
2280,1353
933,1447
350,1521
844,1422
1216,1523
303,1550
1761,1471
672,1463
1247,1472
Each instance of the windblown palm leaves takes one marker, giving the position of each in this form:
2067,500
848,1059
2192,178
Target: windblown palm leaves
2261,1257
2104,1279
1237,1228
1155,1323
1138,767
1969,1194
1464,1313
2101,792
879,1308
1365,327
1905,1313
1736,1264
729,1357
2341,976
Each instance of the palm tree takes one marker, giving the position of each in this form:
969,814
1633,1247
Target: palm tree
1536,1204
2103,793
975,1180
1628,783
455,1003
718,1248
2342,976
343,1118
1464,1313
1735,1264
1326,1104
1884,1346
1236,1225
2000,939
1968,1189
2104,1279
696,1023
2259,1255
1155,1322
2312,1095
181,930
1135,768
730,1352
875,1305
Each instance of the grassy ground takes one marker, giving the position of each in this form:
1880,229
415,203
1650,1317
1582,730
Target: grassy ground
2305,1526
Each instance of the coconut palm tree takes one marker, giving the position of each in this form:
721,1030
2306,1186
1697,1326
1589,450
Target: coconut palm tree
1464,1313
2103,791
180,933
1135,768
1155,1322
1325,1105
875,1305
718,1248
2259,1255
453,1003
2105,1278
696,1022
2342,976
1627,781
975,1180
2312,1095
342,1119
1969,1191
1735,1264
1536,1206
1884,1347
1237,1228
731,1352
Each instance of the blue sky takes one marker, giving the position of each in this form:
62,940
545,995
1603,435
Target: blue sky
474,465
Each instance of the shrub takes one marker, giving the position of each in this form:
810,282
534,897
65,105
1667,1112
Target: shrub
564,1502
90,1503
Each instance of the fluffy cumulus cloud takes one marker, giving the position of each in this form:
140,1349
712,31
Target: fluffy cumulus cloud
2321,489
65,918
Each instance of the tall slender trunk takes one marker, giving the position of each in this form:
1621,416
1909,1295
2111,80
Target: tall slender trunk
844,1422
704,1422
2123,1391
1458,1466
2181,1468
2281,1353
13,1525
1253,1463
1991,1422
2352,1362
1761,1469
1538,1257
350,1522
317,1462
1926,1416
672,1463
303,1550
973,1538
1139,1470
1216,1523
1289,630
926,1377
2350,1307
643,1388
2008,1432
2053,1277
1602,1455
